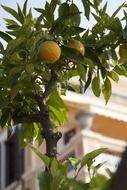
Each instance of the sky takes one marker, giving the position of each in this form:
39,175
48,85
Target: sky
112,5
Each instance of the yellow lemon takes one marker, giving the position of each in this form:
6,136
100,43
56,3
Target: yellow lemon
49,51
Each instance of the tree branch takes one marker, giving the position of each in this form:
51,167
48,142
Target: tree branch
51,83
27,118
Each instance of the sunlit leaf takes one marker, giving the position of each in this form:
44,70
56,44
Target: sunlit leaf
113,75
13,13
43,157
107,89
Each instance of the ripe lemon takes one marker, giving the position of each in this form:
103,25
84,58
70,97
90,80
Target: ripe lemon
77,45
49,51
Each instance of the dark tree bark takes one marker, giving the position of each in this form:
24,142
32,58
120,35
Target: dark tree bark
48,127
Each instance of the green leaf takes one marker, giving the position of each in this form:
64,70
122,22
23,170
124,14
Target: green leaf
91,54
89,157
97,3
57,107
40,10
13,44
25,8
63,9
45,180
97,18
53,6
13,13
4,104
103,9
77,185
37,133
1,48
4,117
58,116
121,70
100,26
56,101
20,13
15,90
29,68
82,72
26,135
115,25
99,181
43,157
5,36
107,89
54,167
71,31
28,21
56,27
117,10
10,21
113,75
89,62
123,53
72,54
75,21
86,5
49,12
56,182
96,86
13,27
88,81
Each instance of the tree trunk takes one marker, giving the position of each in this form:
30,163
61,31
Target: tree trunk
51,137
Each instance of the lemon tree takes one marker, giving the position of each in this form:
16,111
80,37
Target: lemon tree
50,49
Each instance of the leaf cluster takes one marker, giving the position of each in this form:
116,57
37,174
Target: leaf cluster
56,176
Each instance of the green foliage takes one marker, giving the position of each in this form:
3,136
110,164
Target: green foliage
43,158
31,133
56,176
57,108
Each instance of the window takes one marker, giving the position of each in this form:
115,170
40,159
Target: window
11,160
